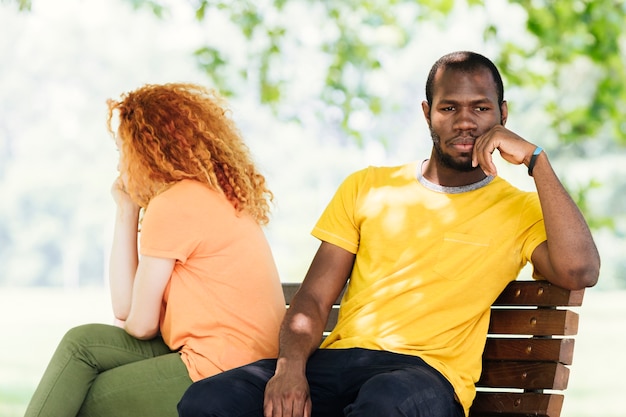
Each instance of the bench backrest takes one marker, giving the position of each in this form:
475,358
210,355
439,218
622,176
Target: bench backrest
528,349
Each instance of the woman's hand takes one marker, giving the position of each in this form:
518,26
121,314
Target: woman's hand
121,196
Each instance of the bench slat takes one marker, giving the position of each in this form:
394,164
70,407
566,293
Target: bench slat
524,375
538,293
531,349
510,404
332,319
290,289
535,322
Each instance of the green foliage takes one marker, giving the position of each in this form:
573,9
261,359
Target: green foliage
154,6
359,33
212,62
23,5
580,195
568,33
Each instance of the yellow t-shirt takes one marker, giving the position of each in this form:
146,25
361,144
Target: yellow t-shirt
223,305
428,266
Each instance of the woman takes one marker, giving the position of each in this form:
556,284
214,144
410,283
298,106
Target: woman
205,295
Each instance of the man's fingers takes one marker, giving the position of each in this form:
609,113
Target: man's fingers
483,157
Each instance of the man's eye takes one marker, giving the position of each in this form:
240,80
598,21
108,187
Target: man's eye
449,108
482,109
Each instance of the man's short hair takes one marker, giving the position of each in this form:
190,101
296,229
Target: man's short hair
465,61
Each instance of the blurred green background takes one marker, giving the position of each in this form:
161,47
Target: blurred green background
319,89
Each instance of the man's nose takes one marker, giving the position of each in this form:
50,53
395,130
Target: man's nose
465,120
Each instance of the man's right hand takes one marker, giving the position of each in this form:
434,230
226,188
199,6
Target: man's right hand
287,393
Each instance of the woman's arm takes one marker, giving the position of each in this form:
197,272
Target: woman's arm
137,286
151,279
124,258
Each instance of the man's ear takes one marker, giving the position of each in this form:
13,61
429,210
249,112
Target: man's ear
504,112
426,110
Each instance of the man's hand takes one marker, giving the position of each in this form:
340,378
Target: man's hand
512,148
287,394
569,257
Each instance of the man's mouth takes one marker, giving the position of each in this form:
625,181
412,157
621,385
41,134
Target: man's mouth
464,144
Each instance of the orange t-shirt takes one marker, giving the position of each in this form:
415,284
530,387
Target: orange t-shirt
223,305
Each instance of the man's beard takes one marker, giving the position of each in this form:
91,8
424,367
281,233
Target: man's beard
447,160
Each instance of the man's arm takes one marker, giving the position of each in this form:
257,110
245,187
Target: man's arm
287,393
569,257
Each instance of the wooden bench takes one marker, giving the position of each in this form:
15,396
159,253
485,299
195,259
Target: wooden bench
528,349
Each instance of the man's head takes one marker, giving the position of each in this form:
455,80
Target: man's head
464,99
463,61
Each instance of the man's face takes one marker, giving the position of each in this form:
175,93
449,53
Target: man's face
464,106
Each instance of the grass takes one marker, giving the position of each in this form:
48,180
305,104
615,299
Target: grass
32,321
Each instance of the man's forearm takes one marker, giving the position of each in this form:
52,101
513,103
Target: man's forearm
572,251
301,331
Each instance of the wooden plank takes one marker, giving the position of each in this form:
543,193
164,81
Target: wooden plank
538,293
511,404
524,375
534,322
530,349
332,319
290,289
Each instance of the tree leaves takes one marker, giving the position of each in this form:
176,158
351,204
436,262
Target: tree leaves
359,33
570,32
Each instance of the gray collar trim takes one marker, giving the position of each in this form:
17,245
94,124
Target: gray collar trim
451,190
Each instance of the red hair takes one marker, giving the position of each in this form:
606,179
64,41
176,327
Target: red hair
181,131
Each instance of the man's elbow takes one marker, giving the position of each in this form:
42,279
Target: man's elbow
578,278
591,277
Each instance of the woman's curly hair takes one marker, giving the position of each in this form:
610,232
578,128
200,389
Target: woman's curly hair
179,131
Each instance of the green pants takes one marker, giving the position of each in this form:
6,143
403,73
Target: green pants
101,371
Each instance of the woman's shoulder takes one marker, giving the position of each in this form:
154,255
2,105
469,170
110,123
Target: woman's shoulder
187,193
183,186
186,189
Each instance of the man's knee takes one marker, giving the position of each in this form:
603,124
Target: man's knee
238,392
213,397
194,402
405,393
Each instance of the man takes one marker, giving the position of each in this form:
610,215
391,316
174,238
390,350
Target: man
426,247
